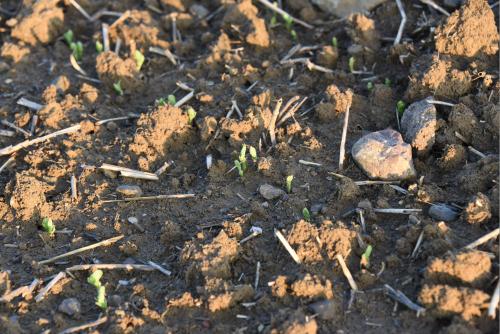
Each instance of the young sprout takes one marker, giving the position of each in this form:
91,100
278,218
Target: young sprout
77,49
101,297
117,86
274,19
387,82
191,115
139,59
293,33
95,280
334,42
369,86
243,157
288,182
352,62
171,100
253,154
68,37
288,21
161,102
306,214
365,258
400,107
237,164
99,47
48,226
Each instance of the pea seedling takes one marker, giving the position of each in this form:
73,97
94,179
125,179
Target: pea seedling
369,86
48,226
306,214
68,37
335,42
387,82
253,154
77,49
171,100
289,26
243,157
191,113
139,59
99,47
95,280
352,62
400,107
238,166
365,258
288,182
117,86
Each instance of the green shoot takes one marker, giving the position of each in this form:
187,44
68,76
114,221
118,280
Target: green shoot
306,214
161,102
369,86
48,226
400,107
288,21
243,157
101,298
274,19
253,154
293,33
237,164
334,42
117,86
95,278
68,37
77,49
139,59
387,82
288,182
191,115
99,47
352,62
365,258
171,100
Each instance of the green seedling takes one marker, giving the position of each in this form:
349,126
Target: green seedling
77,49
243,158
369,86
352,63
288,182
68,37
95,280
99,47
161,102
171,100
274,19
101,298
387,82
191,115
117,86
334,42
237,164
288,21
293,33
306,214
253,154
400,107
48,226
365,258
139,59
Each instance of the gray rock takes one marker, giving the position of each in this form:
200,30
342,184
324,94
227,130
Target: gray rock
344,8
384,155
198,10
269,192
70,306
443,212
418,125
129,191
326,309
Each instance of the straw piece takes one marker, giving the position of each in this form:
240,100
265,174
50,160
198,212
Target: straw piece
346,272
287,246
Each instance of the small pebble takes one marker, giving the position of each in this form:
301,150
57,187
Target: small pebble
325,309
443,212
418,125
133,220
129,190
269,192
70,306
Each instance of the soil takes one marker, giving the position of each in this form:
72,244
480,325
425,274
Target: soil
229,51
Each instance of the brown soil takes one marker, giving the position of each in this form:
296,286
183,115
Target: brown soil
229,51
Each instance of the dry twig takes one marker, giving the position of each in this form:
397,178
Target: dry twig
111,266
401,298
343,140
494,301
49,286
283,13
485,238
402,24
346,272
149,198
287,246
84,326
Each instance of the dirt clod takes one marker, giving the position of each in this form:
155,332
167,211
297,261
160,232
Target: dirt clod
478,209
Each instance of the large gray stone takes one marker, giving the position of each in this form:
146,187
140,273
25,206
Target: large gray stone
269,192
343,8
70,306
418,125
384,155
